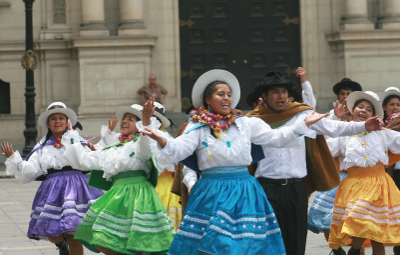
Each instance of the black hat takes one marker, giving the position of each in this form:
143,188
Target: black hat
253,98
346,82
273,79
296,91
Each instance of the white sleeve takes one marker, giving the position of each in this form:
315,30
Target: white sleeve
77,155
393,140
289,136
108,138
179,148
334,146
308,94
332,115
334,128
24,171
189,177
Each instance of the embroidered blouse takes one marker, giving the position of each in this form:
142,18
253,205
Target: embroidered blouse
232,148
38,163
132,156
365,150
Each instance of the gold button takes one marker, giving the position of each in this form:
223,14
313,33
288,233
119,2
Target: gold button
366,158
364,145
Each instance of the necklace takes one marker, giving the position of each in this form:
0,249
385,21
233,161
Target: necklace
209,117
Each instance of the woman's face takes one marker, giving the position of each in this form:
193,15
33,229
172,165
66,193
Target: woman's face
363,111
221,100
57,122
393,106
128,124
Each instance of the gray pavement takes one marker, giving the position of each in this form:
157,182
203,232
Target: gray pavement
15,207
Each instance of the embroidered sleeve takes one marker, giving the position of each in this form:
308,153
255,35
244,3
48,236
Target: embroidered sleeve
24,171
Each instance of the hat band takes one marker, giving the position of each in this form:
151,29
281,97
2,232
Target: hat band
56,107
160,111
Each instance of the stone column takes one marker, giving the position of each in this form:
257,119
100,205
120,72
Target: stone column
356,17
390,18
131,15
93,21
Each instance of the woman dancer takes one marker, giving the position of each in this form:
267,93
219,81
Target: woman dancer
130,217
227,212
367,202
64,197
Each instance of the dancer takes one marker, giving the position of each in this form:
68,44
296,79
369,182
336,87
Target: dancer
64,197
342,90
367,201
289,175
227,212
130,217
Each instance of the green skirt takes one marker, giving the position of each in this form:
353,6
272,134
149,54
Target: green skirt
128,218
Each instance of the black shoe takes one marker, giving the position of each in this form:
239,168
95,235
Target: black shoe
354,251
339,251
63,247
396,250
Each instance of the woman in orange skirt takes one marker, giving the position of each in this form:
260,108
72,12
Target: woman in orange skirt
367,203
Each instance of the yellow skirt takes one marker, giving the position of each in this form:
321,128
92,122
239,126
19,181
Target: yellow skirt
169,200
367,205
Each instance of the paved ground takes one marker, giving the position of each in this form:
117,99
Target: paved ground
15,207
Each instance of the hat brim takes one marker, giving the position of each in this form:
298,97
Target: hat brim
165,123
355,86
264,87
253,98
297,97
127,109
386,94
211,76
357,95
71,115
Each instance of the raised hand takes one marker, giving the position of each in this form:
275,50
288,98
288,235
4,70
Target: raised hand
112,123
300,72
148,111
7,150
341,110
373,124
156,136
313,117
70,125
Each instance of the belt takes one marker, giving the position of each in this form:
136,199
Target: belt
279,181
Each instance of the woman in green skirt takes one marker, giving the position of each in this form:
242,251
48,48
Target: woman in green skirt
129,218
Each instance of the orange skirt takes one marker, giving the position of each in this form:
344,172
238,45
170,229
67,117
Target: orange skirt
367,205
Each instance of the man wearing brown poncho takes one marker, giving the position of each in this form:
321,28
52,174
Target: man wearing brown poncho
289,175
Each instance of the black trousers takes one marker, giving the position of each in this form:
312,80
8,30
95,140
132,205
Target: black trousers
290,204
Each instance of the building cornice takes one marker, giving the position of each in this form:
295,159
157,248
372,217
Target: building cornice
362,35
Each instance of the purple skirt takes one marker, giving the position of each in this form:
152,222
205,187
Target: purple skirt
60,204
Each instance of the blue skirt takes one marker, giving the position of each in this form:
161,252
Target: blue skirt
320,214
228,213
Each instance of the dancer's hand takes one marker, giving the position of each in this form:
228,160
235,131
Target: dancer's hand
91,146
341,110
300,72
112,123
148,111
156,136
7,150
70,125
373,124
313,117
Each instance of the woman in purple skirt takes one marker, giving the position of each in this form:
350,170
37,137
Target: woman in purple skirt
64,197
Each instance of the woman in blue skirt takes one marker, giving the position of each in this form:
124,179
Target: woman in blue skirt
228,211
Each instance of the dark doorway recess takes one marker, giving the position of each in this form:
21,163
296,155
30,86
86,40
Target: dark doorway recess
247,38
5,102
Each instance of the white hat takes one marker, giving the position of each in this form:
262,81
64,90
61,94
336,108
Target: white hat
57,107
160,114
367,95
211,76
135,109
391,91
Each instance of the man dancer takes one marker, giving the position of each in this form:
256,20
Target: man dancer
342,90
284,175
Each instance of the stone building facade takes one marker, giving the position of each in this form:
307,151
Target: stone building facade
95,54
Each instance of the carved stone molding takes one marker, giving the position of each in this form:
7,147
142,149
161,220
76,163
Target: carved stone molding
59,12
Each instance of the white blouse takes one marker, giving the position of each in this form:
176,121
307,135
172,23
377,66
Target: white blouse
351,150
133,156
38,163
233,148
